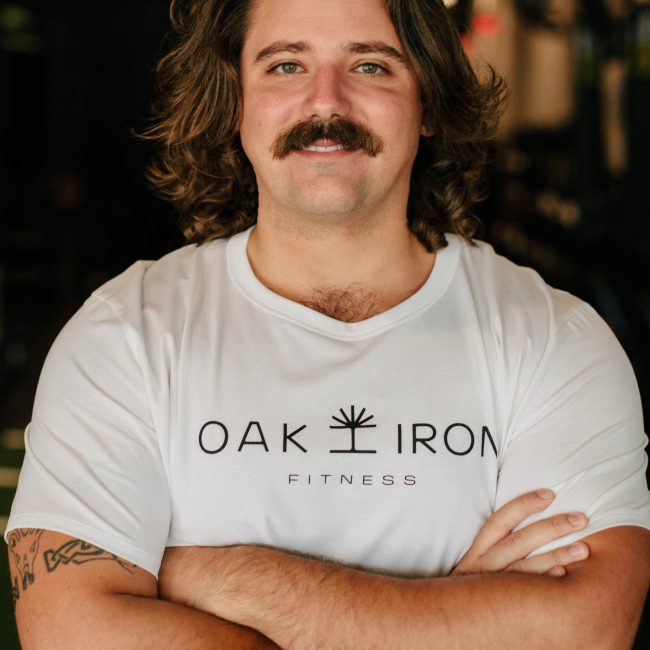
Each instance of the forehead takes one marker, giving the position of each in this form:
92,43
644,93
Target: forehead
320,22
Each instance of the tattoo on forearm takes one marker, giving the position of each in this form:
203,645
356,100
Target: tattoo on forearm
23,547
77,551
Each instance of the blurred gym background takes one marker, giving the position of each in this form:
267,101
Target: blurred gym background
569,174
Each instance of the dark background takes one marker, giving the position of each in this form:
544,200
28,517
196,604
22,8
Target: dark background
75,79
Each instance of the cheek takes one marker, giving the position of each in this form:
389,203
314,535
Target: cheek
397,118
395,111
252,132
264,115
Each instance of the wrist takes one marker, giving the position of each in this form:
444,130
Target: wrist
236,584
270,590
255,586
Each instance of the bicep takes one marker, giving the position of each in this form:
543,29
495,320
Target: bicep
579,432
59,583
93,464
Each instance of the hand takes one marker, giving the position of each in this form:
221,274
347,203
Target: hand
497,548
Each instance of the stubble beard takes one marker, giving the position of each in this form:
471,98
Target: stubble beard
328,200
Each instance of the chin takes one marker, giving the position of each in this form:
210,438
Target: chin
329,211
329,199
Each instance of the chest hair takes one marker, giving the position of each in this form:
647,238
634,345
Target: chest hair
349,305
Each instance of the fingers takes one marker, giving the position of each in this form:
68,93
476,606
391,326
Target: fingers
497,548
516,546
557,572
509,516
554,562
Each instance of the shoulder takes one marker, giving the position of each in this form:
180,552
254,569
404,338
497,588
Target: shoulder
516,305
125,321
539,331
152,296
175,275
515,291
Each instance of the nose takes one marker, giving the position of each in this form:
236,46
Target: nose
326,96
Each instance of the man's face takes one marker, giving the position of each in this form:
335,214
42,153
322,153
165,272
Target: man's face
315,62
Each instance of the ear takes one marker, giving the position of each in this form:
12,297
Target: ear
426,132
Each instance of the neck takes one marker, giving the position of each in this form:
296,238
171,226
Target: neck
349,271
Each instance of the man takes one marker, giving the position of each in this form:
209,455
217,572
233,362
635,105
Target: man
319,415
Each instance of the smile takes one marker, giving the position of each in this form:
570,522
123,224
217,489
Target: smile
316,148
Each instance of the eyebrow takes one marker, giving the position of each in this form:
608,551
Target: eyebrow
369,47
279,47
377,47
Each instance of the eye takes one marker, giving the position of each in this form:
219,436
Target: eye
371,68
287,67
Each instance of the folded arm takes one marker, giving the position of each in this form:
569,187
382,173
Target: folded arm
305,603
70,594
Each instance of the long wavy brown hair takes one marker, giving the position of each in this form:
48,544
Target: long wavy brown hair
200,165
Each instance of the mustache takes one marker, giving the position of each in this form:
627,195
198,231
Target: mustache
352,136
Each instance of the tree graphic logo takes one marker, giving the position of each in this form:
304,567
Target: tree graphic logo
353,424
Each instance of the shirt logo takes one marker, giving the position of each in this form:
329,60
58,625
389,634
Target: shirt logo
352,423
458,439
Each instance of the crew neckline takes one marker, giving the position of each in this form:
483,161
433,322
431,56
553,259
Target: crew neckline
242,275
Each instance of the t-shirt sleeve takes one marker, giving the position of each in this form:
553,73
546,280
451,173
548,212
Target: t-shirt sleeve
578,430
93,466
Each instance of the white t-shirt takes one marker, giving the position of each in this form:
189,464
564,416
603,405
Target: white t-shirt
187,404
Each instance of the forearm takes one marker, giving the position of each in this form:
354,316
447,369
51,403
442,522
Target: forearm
499,596
303,603
124,621
72,594
301,598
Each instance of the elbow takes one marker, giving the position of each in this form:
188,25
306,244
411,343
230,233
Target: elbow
602,624
619,631
604,596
